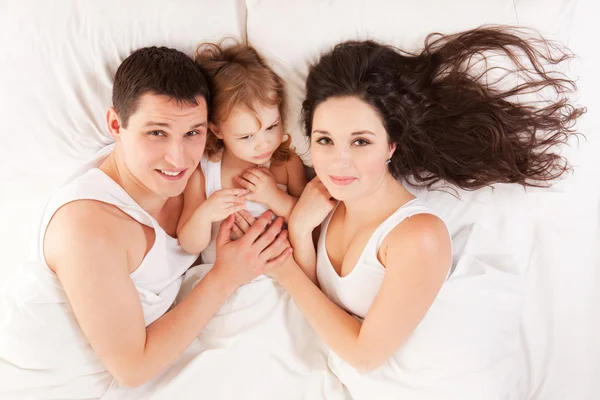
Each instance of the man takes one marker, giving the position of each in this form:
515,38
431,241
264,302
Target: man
109,266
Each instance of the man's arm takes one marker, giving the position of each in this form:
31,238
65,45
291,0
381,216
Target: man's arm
91,261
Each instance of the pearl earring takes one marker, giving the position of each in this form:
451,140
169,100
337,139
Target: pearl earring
388,161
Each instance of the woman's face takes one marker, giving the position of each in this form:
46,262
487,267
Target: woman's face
349,147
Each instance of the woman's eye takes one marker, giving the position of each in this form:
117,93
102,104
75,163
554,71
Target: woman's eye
245,137
361,142
324,141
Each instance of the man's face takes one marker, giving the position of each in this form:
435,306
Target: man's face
163,142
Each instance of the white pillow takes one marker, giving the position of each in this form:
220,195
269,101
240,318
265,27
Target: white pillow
292,35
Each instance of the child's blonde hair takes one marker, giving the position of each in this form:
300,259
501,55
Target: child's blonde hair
239,76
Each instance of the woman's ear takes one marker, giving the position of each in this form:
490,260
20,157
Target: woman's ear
392,149
214,130
113,123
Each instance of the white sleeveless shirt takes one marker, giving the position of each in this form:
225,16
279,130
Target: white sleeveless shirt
43,352
212,180
356,291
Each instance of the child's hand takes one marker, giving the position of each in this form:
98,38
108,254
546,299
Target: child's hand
260,183
222,203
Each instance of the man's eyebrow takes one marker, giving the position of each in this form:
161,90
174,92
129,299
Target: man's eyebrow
152,123
199,124
167,125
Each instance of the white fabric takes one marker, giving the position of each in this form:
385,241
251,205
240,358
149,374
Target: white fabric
560,328
212,183
553,258
356,291
258,346
55,86
43,352
444,358
291,45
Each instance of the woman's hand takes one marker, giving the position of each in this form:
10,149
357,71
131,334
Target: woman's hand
312,207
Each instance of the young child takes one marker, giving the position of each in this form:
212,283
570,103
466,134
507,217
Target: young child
248,162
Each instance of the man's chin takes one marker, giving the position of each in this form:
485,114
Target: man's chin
166,192
170,193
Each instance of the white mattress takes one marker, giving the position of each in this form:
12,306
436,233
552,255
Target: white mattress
55,85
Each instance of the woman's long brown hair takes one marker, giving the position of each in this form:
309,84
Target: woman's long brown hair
451,119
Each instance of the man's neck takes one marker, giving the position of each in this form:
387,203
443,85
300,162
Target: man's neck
115,168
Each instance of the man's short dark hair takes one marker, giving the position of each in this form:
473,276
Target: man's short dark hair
160,71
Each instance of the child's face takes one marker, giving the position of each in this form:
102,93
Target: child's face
248,141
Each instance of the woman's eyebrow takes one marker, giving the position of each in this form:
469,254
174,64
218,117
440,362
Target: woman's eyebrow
363,132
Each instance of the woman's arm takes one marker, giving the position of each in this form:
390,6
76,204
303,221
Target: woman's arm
305,253
91,260
417,256
312,208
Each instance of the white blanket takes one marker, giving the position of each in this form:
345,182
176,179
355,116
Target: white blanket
258,346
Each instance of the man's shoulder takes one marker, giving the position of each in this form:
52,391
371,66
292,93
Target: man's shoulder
88,225
90,215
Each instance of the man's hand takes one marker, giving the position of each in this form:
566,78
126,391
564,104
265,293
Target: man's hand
261,247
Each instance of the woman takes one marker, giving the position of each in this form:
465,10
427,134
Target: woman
379,119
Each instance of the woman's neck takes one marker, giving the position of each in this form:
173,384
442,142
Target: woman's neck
388,195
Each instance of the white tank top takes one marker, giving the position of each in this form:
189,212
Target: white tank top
356,291
43,352
212,179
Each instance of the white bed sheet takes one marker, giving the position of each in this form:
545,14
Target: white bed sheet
55,80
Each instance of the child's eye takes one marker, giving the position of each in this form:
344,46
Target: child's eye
361,142
155,133
324,141
246,137
272,126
